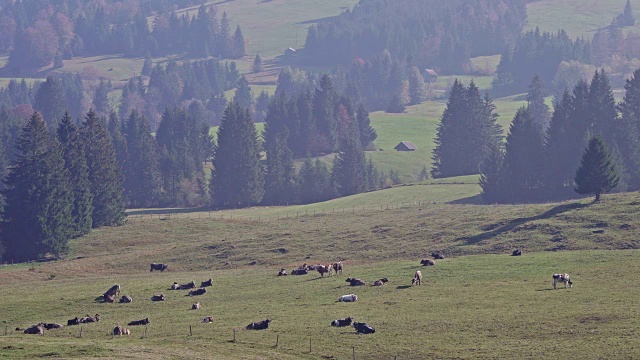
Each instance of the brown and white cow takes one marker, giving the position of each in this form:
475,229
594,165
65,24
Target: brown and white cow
113,291
195,306
380,282
427,262
89,319
337,267
564,278
125,299
417,278
324,269
120,330
355,282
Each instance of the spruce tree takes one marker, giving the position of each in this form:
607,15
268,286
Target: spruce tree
238,44
105,174
101,98
367,132
243,95
75,162
349,171
448,160
602,107
279,176
119,142
141,175
257,64
559,157
236,177
147,66
417,86
396,105
628,130
597,172
491,177
37,218
324,114
50,101
535,102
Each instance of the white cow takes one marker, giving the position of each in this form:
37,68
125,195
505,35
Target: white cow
348,298
562,278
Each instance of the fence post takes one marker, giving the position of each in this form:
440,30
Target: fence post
277,338
190,331
5,330
354,352
80,331
309,345
145,331
234,335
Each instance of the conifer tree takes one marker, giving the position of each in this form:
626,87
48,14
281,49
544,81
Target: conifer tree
119,142
75,163
236,177
225,44
37,218
101,98
257,64
535,102
396,105
141,175
105,174
602,107
349,171
448,160
560,159
597,172
314,182
243,95
417,86
491,177
147,66
238,44
50,101
367,132
279,177
324,114
628,130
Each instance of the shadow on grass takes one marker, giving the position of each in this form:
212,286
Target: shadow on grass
165,211
400,287
546,289
519,221
471,200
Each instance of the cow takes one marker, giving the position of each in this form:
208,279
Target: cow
125,299
300,272
139,322
195,306
35,330
75,321
175,286
157,297
89,319
355,282
427,262
188,286
342,322
206,283
337,267
197,292
158,267
282,272
322,269
363,328
113,291
120,330
380,282
516,252
417,278
108,298
51,326
348,298
259,325
437,256
562,278
207,319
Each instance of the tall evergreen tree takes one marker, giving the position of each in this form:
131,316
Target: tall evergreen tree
50,101
141,175
448,160
147,66
491,177
236,177
37,218
101,98
105,174
597,172
602,107
628,130
535,102
417,86
324,114
75,162
314,182
257,64
238,44
243,95
367,132
349,171
560,158
279,176
119,142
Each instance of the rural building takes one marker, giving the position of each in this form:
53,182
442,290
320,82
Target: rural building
405,146
430,75
290,52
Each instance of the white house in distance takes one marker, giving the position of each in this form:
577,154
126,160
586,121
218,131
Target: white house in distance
290,52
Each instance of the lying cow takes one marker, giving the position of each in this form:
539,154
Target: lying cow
259,325
300,272
113,291
75,321
417,278
197,292
157,297
427,262
108,298
282,272
348,298
35,330
564,278
337,267
175,286
120,330
437,256
206,283
342,322
90,319
208,319
380,282
195,306
363,328
516,252
188,286
158,267
355,282
51,326
139,322
125,299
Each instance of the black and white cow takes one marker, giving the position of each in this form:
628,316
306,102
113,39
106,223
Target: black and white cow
564,278
158,267
355,282
342,322
259,325
206,283
157,297
139,322
363,328
196,292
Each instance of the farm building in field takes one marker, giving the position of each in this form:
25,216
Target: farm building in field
430,75
290,52
405,146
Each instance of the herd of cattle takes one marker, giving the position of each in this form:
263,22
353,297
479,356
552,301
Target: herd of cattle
336,268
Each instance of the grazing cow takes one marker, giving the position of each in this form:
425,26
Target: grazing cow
35,330
516,252
139,322
108,298
282,272
197,292
89,319
113,291
158,267
191,285
427,262
348,298
337,267
417,278
175,286
342,322
437,256
259,325
355,282
126,299
380,282
195,306
120,330
206,283
300,272
322,269
363,328
75,321
51,326
562,278
157,297
208,319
